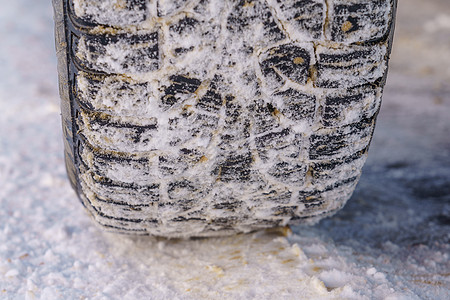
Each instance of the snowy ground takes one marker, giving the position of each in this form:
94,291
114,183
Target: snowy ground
391,241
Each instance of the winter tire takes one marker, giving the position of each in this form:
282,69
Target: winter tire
210,117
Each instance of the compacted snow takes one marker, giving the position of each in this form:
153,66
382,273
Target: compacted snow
391,241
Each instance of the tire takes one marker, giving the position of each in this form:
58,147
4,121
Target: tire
208,117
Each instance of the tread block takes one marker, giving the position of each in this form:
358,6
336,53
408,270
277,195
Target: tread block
328,170
191,126
212,101
184,199
183,192
225,222
174,165
291,172
119,53
286,211
297,106
225,201
303,19
341,142
120,224
121,134
236,129
350,106
111,12
114,95
181,87
184,25
255,21
316,202
174,211
118,167
349,66
187,36
358,20
119,193
204,125
170,7
228,205
286,62
269,144
274,197
266,223
234,167
274,140
210,8
126,212
263,117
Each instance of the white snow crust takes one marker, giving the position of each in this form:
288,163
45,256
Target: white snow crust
114,12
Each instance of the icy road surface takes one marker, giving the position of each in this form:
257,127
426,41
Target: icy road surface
391,241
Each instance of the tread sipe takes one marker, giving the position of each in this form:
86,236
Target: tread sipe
209,117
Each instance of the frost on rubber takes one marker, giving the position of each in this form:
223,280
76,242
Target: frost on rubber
209,117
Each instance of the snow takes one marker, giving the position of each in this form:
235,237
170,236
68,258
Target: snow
113,12
391,241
